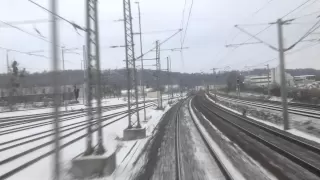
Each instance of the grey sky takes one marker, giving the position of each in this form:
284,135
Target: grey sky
210,28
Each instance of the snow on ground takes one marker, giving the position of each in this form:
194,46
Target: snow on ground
42,170
197,151
104,102
225,160
298,119
125,166
256,96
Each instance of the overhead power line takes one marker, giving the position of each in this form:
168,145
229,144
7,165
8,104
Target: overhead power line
160,31
302,4
27,53
309,14
266,28
264,6
38,21
288,53
76,26
182,20
15,27
311,30
162,42
186,29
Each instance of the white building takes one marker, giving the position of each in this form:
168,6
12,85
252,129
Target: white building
274,79
304,80
260,81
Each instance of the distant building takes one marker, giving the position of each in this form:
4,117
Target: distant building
304,79
274,79
260,81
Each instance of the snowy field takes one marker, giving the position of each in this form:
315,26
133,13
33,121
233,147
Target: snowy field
71,129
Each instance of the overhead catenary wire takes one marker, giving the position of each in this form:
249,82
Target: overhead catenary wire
37,21
160,31
187,25
312,29
182,21
234,37
264,6
76,26
162,42
26,32
288,53
266,28
21,52
306,15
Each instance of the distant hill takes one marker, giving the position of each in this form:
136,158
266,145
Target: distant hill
293,72
115,77
118,77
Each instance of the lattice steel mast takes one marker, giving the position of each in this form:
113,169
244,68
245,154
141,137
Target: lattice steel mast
94,74
130,63
158,67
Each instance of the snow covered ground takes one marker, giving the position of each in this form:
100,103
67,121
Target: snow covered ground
237,162
302,126
72,129
255,96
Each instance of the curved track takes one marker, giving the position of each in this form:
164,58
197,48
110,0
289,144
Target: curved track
298,151
214,155
293,110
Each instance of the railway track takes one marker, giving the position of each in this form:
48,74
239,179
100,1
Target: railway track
292,104
178,151
300,152
16,120
177,144
20,125
78,129
292,110
214,155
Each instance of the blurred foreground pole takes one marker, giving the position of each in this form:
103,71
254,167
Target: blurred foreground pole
141,52
85,76
283,77
56,89
268,70
100,149
168,74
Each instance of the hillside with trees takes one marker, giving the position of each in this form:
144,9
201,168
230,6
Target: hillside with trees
118,77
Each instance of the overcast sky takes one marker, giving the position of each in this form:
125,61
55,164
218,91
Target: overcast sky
211,27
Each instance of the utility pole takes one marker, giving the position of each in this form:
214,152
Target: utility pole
64,86
158,66
94,75
215,82
8,66
141,51
238,87
56,90
132,81
268,70
85,63
168,73
171,83
281,51
283,76
10,88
